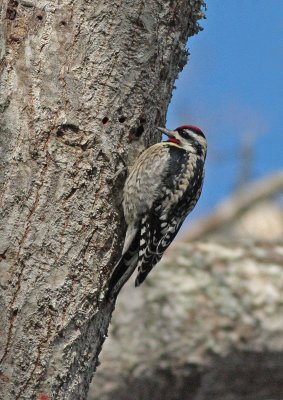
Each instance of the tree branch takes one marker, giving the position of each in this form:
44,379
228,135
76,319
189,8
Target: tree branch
235,206
207,324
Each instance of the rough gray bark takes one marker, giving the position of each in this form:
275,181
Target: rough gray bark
206,325
83,84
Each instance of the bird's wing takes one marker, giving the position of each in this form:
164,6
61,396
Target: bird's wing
161,223
146,188
155,240
160,226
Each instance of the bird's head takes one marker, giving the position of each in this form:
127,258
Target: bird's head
188,137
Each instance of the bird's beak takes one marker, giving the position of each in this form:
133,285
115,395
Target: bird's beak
168,132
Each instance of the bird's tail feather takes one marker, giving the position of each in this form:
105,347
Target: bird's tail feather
121,273
124,267
119,270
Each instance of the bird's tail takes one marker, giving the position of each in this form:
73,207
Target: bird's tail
124,268
119,270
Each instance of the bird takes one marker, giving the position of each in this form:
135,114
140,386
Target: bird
162,188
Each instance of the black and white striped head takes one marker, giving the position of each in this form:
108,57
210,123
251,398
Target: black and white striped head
188,137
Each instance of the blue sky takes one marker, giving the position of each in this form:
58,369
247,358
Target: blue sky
232,88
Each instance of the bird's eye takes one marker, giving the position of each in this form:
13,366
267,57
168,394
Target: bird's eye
184,134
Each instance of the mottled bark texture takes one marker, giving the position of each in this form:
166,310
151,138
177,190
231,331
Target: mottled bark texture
206,325
83,84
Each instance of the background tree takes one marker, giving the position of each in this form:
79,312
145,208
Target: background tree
83,84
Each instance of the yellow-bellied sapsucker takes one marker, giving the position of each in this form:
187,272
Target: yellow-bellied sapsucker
164,185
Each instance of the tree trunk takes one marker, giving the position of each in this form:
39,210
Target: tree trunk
83,84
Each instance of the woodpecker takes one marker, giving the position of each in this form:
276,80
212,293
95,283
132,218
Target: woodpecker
162,188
